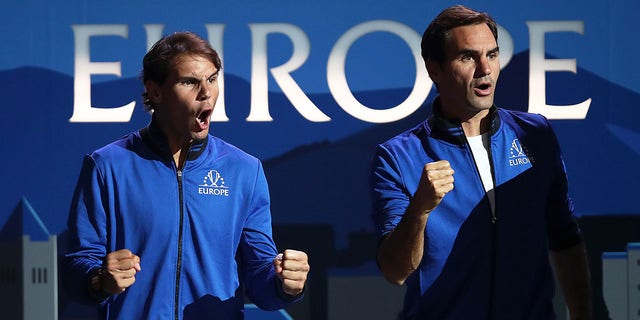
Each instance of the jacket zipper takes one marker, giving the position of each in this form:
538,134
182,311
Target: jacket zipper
493,217
179,173
179,260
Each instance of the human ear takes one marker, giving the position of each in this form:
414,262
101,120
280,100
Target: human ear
153,92
433,68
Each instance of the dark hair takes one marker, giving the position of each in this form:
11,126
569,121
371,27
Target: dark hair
433,39
162,56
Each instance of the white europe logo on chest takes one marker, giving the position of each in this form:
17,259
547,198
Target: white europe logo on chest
213,184
519,155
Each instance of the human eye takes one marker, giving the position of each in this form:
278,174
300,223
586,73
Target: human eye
187,82
213,78
466,57
493,54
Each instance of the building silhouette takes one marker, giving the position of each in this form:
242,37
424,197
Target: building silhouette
29,274
28,269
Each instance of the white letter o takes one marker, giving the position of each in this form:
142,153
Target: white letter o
339,87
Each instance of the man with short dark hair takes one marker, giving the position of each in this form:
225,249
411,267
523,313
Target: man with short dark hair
169,221
479,250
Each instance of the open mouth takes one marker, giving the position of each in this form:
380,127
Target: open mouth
203,118
483,89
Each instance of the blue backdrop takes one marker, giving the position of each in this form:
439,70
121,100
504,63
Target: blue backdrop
309,88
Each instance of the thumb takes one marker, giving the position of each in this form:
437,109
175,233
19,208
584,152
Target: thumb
277,263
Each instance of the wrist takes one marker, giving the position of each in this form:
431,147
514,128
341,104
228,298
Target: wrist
417,210
287,296
96,291
95,281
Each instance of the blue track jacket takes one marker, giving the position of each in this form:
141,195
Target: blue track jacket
186,225
475,265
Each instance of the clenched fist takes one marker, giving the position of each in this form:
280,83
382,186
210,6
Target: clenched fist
292,267
119,271
436,181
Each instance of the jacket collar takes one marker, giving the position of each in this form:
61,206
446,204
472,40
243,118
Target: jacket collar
450,130
153,137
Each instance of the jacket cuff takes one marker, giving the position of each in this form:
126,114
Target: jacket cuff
94,286
287,297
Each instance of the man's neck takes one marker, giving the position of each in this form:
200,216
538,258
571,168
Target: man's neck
180,154
477,124
179,150
473,124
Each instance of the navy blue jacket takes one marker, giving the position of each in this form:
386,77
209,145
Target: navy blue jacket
475,265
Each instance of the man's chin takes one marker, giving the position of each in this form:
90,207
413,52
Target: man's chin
200,135
484,103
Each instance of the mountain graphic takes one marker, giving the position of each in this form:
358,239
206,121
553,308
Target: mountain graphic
326,182
605,139
321,167
47,150
629,137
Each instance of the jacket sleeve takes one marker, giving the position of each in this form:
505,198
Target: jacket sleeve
87,233
257,251
388,194
563,230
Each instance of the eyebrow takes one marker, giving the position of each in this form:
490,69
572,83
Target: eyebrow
195,76
473,52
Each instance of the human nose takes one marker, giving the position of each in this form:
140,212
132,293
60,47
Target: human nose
205,91
483,67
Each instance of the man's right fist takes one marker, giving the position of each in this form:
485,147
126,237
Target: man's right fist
436,181
119,271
